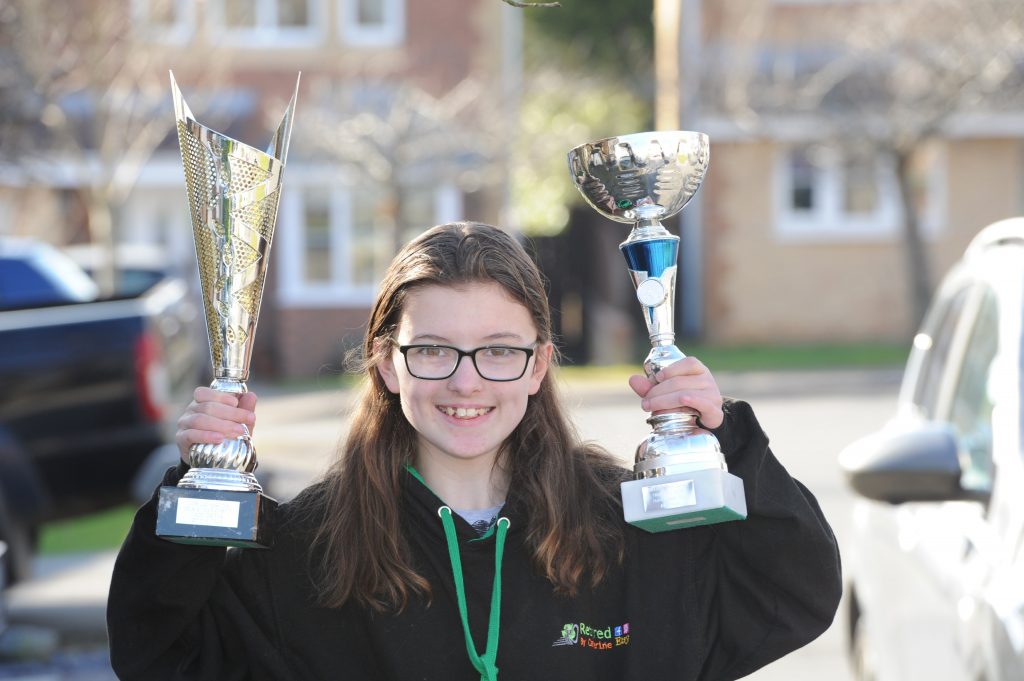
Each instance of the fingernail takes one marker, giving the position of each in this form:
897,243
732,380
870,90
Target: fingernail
645,405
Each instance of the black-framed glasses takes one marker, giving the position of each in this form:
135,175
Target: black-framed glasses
433,362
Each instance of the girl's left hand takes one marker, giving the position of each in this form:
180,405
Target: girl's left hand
686,383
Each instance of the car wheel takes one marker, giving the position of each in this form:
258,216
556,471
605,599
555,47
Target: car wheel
20,545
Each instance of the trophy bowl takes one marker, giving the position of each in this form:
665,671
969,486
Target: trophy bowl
647,174
681,476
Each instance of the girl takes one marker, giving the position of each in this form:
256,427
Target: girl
464,530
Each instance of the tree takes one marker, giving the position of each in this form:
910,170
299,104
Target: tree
81,87
886,79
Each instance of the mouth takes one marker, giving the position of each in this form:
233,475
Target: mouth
465,413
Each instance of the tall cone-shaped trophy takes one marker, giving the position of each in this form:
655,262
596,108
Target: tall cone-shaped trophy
681,476
233,196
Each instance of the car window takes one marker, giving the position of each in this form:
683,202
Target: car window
21,284
938,340
973,398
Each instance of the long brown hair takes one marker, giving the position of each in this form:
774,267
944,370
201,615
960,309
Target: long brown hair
572,532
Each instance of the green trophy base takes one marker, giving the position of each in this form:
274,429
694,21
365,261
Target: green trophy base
673,502
210,517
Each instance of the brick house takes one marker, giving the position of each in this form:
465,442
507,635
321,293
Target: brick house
793,241
236,63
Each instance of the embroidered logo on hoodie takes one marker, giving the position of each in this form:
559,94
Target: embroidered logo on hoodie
596,638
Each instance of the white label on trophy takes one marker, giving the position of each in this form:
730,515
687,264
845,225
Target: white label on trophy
650,292
207,512
670,495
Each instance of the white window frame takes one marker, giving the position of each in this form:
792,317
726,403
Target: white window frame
827,221
267,32
338,292
388,34
179,33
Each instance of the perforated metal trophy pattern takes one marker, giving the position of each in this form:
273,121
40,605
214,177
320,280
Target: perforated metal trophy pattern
233,194
681,478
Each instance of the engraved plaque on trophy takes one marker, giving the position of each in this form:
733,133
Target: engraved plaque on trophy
640,179
233,194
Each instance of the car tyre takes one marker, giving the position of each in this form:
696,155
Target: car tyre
20,545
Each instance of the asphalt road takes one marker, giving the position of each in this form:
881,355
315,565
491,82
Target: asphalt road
809,417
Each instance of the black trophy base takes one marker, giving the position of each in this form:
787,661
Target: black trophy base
210,517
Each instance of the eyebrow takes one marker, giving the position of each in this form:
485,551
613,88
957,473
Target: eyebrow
501,336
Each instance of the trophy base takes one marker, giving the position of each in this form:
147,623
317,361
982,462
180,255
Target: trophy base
210,517
673,502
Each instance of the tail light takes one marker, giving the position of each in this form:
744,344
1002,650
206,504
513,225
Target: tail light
150,377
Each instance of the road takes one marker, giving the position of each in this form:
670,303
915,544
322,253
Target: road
808,417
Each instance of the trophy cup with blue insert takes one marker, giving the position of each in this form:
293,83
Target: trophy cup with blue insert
681,478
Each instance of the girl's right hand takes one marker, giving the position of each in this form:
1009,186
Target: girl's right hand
214,416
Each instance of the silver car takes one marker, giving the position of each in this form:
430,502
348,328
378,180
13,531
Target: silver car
936,560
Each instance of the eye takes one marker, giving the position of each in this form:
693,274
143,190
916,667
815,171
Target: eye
431,352
498,352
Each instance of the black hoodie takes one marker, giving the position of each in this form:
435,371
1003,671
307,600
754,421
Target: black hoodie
713,602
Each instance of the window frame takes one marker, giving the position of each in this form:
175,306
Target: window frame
179,33
389,34
266,32
338,291
828,221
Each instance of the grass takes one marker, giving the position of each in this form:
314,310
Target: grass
764,358
106,530
96,532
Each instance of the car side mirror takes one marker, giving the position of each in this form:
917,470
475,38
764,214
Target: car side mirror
921,463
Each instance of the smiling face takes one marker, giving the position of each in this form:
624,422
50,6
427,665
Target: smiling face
463,418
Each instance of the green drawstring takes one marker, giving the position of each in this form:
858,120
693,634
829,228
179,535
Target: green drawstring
485,664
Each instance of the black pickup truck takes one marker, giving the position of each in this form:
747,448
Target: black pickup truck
88,388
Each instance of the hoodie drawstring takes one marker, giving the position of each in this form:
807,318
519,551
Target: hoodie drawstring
485,664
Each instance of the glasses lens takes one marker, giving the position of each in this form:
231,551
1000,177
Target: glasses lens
501,364
431,362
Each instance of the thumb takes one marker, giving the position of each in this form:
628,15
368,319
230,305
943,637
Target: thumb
641,385
247,401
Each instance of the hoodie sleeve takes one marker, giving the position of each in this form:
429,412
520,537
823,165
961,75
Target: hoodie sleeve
190,612
771,583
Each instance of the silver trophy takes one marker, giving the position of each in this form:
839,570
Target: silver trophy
233,193
681,476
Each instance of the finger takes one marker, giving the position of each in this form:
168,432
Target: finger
203,394
688,366
641,385
223,412
211,424
186,438
247,401
660,401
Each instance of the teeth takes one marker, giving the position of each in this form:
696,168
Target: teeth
463,413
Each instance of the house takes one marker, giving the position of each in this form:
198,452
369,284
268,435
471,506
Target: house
796,235
384,85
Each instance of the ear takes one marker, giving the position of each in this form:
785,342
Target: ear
541,363
386,366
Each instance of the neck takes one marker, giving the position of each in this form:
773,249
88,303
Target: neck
465,485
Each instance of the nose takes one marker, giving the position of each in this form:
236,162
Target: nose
465,379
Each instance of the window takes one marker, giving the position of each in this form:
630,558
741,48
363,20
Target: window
166,21
971,407
372,23
823,192
347,237
932,348
269,22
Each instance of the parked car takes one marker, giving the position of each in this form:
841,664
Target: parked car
85,388
936,560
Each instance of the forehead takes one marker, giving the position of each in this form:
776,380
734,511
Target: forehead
468,312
